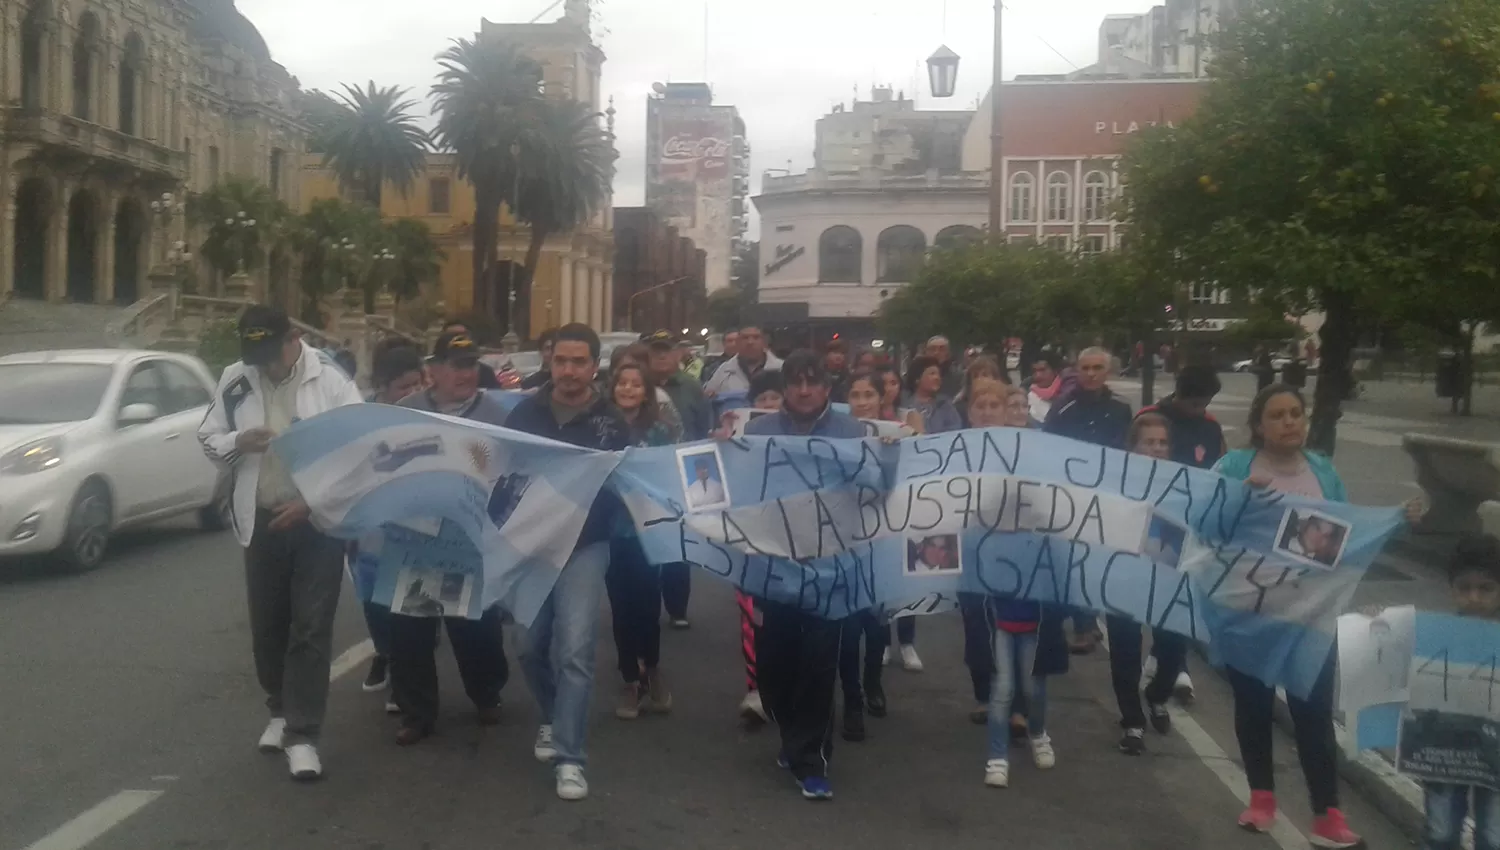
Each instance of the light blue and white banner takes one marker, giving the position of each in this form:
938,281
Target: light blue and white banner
1427,685
458,515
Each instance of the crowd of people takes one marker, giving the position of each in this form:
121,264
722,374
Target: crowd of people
657,392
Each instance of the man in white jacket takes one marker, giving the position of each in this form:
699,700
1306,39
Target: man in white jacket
734,374
293,572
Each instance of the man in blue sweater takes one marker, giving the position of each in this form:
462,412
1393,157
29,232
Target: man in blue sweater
797,653
559,657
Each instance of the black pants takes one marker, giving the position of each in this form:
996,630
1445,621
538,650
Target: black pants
906,631
979,647
854,668
676,587
634,588
478,646
1125,657
1312,721
797,658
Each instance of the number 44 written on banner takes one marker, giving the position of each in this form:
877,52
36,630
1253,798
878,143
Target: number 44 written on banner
1456,688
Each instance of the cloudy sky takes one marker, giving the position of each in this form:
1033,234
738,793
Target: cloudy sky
784,63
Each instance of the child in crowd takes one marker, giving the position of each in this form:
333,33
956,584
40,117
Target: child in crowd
1017,635
766,390
1474,578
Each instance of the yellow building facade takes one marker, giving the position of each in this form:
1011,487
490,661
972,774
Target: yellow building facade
574,279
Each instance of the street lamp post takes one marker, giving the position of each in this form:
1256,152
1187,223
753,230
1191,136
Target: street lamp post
512,342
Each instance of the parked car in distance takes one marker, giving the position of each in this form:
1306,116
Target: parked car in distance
1278,363
94,441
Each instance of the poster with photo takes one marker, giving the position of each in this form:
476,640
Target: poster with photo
1312,537
704,485
938,555
433,593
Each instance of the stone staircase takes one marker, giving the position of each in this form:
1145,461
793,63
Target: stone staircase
27,325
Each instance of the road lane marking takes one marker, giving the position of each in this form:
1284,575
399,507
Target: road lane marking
87,827
351,658
1215,759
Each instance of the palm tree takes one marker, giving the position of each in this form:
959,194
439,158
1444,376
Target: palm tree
486,92
566,164
373,138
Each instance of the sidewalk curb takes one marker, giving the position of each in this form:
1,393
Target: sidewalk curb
1398,797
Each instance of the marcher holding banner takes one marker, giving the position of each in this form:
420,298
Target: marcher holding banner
293,572
666,370
767,391
478,645
1279,460
633,583
798,652
559,657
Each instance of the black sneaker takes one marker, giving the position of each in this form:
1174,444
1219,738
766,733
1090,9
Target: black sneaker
378,677
1161,719
854,724
1134,742
875,699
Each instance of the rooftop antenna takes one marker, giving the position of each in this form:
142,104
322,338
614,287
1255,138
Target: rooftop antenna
555,4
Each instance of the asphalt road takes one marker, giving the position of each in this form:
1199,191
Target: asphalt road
129,714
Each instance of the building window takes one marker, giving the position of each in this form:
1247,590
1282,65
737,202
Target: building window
1093,244
1095,196
439,198
839,255
213,165
899,253
1207,293
957,236
1056,241
132,73
1059,197
1022,197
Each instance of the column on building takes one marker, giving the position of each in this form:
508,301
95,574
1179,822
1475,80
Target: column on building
9,181
581,292
55,271
609,301
10,60
564,290
104,247
596,299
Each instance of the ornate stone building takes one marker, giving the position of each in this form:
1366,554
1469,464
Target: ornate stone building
106,106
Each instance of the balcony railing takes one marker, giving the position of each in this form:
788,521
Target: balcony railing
53,129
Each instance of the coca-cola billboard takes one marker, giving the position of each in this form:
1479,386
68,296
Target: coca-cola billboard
695,150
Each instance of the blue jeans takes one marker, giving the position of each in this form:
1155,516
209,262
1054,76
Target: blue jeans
1015,658
1448,805
559,659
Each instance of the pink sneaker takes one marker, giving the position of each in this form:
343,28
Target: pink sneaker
1261,814
1329,830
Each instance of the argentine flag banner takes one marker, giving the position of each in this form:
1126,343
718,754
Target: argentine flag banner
455,515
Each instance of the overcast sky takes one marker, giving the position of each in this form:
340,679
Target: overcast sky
784,63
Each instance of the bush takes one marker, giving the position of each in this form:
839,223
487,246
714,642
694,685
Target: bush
219,346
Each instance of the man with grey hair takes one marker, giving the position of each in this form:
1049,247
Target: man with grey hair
939,349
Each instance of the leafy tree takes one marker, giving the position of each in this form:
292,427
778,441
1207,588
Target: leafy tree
372,138
319,111
486,92
241,221
337,241
1343,159
566,165
418,261
726,309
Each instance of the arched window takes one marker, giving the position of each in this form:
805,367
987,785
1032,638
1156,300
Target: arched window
958,234
132,74
85,52
1059,197
1023,197
1095,196
839,255
32,27
899,253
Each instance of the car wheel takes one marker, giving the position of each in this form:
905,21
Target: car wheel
89,526
218,515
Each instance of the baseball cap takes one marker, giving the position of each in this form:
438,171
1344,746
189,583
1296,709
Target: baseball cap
262,332
664,338
455,347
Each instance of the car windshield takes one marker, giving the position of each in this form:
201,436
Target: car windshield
48,393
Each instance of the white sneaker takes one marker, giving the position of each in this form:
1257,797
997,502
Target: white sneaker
1183,688
391,707
1042,752
304,763
270,740
752,708
543,748
885,657
997,773
570,782
910,661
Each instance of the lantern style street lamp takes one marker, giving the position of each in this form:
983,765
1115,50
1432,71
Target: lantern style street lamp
942,72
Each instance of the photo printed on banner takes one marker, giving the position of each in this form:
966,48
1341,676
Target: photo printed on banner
430,593
939,555
1311,537
702,472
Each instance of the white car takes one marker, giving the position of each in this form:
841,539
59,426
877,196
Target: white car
1278,363
94,441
